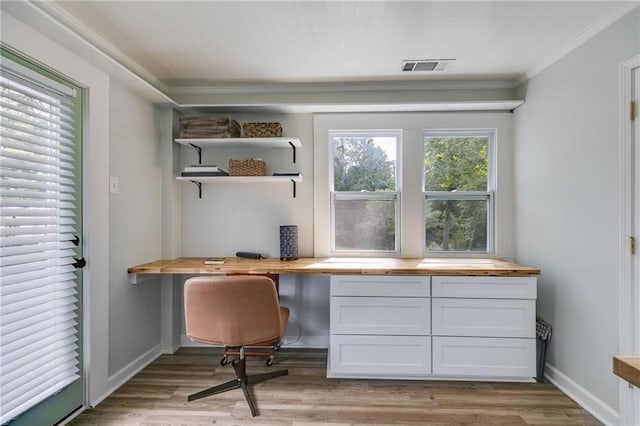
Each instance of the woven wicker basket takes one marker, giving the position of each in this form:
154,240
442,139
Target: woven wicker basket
262,130
247,167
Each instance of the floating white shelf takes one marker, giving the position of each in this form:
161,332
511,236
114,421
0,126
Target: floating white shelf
199,180
240,179
281,142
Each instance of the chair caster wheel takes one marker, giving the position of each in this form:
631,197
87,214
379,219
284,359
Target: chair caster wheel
224,360
269,362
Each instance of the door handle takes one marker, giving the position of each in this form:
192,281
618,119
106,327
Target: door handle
79,263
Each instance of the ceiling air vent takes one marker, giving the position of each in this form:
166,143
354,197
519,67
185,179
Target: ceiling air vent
428,65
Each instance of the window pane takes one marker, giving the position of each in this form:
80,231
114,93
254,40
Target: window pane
456,163
456,225
364,163
365,225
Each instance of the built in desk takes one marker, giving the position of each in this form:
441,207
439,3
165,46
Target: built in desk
627,368
335,265
421,319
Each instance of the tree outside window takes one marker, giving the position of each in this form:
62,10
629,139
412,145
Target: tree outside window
364,196
458,191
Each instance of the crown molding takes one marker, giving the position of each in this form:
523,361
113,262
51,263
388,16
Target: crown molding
459,106
354,86
580,40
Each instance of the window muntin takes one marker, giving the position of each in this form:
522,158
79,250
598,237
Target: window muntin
458,191
364,192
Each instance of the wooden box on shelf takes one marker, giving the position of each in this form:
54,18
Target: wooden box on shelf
209,126
248,167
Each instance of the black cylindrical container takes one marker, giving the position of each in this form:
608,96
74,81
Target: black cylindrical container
288,242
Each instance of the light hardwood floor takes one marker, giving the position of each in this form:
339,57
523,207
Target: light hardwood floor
158,396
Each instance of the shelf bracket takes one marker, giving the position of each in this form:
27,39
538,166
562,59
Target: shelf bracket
199,150
199,185
294,186
293,148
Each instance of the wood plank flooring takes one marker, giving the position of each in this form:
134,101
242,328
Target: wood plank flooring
158,396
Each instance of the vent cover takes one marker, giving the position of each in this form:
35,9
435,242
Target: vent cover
428,65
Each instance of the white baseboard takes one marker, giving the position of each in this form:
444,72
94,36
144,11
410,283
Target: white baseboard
170,350
125,374
302,342
594,405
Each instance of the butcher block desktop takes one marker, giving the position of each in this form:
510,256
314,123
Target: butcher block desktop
627,368
337,265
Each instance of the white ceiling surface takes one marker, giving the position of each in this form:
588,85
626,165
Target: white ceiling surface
183,43
191,48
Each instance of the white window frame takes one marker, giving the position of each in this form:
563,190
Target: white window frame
488,195
366,196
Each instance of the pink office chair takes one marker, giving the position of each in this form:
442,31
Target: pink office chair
237,312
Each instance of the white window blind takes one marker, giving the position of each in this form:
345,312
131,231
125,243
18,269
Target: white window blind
38,281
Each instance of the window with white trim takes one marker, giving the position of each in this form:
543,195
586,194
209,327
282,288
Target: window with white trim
365,216
458,191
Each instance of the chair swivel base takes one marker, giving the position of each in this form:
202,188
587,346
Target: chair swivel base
241,381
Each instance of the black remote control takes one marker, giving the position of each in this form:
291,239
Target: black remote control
249,255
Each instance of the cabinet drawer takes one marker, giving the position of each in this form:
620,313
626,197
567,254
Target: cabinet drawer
485,287
380,315
380,355
483,317
381,285
478,356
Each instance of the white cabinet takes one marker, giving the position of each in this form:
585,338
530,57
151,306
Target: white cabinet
485,287
484,327
485,357
381,285
379,326
440,327
379,356
484,317
380,315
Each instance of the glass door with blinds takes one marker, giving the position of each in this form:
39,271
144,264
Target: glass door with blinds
41,369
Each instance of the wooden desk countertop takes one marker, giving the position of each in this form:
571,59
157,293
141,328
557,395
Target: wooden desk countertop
628,368
338,265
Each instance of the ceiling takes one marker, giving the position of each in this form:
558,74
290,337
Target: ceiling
203,43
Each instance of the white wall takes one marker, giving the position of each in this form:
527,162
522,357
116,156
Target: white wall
247,217
566,208
135,227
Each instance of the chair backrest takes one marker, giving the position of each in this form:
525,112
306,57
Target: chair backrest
231,310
